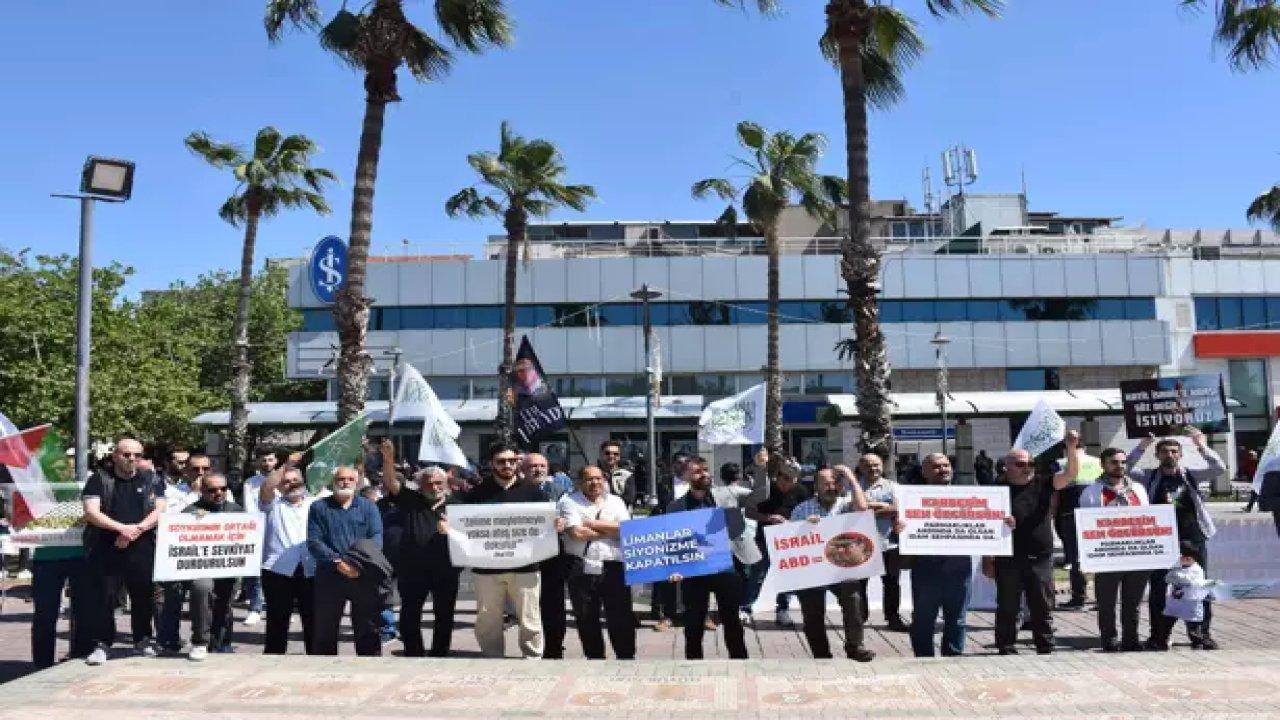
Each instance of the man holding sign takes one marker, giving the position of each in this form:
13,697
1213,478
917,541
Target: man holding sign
828,499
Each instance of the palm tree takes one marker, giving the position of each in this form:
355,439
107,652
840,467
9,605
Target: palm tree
780,168
522,179
1250,31
378,40
276,176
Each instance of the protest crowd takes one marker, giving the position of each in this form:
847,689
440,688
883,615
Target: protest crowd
382,535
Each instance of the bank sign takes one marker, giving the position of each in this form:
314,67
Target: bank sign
328,268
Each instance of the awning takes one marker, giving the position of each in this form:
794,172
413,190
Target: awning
1102,401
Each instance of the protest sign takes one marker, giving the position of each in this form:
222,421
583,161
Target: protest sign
61,525
737,420
1119,539
837,548
1166,406
1243,554
954,520
215,545
689,544
1043,429
502,536
536,408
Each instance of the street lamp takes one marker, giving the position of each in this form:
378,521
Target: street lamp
939,343
101,180
644,295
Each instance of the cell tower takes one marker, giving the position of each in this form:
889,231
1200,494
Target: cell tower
959,167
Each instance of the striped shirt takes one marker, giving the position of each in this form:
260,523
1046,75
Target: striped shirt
813,506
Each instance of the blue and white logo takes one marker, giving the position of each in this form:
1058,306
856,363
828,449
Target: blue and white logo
328,267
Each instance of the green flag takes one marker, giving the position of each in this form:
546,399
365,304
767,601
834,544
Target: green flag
340,448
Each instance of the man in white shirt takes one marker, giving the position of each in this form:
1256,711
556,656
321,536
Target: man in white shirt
1116,489
592,516
287,568
251,591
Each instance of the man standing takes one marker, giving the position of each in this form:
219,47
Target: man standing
121,509
334,526
251,590
829,499
597,581
1115,489
1029,571
664,601
520,586
422,564
621,481
726,586
938,582
785,495
1171,484
288,569
210,598
554,570
881,494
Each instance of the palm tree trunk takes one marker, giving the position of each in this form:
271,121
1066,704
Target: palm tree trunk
351,311
860,265
238,429
516,222
773,376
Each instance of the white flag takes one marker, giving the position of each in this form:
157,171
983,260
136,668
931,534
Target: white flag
1043,429
7,427
737,420
439,431
1270,457
655,364
415,397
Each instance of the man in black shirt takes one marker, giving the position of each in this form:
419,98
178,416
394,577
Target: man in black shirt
1029,570
210,597
785,494
122,506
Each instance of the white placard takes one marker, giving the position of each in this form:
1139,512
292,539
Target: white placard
954,520
1120,539
837,548
502,536
217,545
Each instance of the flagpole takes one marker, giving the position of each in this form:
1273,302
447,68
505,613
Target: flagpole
395,354
644,295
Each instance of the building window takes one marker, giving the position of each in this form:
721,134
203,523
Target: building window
481,317
1032,379
1248,380
484,388
625,385
828,383
451,388
318,321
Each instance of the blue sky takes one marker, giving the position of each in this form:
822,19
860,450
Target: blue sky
1112,107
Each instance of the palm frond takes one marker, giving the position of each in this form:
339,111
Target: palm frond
729,221
1266,208
764,7
719,187
751,135
341,36
942,8
266,143
575,197
470,202
846,349
302,14
234,211
474,25
219,155
426,58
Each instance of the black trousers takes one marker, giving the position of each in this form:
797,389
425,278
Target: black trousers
49,579
1128,587
891,587
813,611
332,593
664,601
441,583
131,569
283,594
1162,626
727,587
555,619
1031,576
589,594
1065,526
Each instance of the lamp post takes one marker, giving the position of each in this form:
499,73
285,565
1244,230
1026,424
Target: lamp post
101,180
644,295
939,343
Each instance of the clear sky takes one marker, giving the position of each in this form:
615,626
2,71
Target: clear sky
1112,107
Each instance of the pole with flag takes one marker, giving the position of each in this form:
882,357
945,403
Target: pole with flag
35,459
1043,429
341,447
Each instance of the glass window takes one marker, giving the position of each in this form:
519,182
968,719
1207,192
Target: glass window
749,313
620,314
480,317
1028,378
1230,313
528,316
1013,311
681,385
917,311
891,311
984,310
1139,309
746,381
625,385
951,310
572,314
571,386
389,318
660,314
839,312
1248,380
792,383
450,317
1273,312
1207,313
828,383
714,385
417,318
797,312
318,321
451,388
1107,309
1253,313
484,387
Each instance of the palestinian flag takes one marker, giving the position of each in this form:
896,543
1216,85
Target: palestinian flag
35,459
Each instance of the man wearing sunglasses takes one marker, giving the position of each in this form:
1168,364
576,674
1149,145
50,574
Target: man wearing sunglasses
210,598
122,506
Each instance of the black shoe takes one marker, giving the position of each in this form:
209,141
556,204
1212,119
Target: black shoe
1044,650
1009,650
1154,645
1131,647
861,654
895,624
1072,604
1206,644
1025,626
1110,646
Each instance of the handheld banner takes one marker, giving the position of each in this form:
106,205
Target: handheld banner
689,544
1119,539
1166,406
214,545
502,536
954,520
837,548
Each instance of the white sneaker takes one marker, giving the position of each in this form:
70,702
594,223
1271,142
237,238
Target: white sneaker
253,618
97,657
744,617
784,617
147,648
198,653
24,575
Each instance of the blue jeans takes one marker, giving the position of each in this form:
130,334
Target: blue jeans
49,578
253,591
387,622
939,583
753,580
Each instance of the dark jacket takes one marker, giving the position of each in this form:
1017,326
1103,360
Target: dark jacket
375,569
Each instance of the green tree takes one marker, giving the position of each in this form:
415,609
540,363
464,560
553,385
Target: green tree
524,178
377,41
779,168
276,176
1249,30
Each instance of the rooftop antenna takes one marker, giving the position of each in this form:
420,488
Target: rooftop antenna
929,200
1024,183
959,167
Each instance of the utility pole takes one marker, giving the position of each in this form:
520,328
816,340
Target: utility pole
940,342
395,354
644,295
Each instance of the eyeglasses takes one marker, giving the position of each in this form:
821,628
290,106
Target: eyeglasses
129,455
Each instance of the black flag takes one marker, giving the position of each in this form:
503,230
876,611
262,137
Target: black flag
537,411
